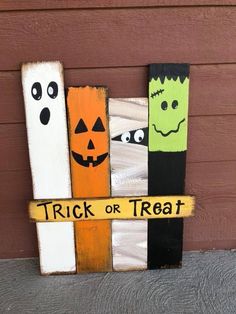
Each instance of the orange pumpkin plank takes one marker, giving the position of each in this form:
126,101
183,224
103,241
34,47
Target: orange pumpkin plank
90,172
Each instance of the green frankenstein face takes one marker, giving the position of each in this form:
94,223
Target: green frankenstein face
168,114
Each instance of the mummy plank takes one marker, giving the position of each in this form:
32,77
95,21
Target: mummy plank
43,90
128,133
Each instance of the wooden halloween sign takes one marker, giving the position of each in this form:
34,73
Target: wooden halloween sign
128,217
132,207
45,112
90,171
167,145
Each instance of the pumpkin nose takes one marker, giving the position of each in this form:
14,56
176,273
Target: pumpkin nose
90,145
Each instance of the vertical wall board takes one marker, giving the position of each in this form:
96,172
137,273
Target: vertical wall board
90,170
45,110
128,133
168,121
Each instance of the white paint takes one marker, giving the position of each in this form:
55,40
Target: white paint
129,177
49,160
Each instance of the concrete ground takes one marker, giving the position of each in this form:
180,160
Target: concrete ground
206,284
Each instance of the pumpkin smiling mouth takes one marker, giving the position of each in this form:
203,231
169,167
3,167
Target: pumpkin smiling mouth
93,161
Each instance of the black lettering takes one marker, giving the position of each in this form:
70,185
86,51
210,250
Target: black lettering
108,209
45,208
86,209
145,206
157,208
116,206
167,210
68,211
58,211
135,202
178,204
74,212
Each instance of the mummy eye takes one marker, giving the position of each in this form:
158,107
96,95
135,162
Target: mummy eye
36,91
125,137
138,136
52,89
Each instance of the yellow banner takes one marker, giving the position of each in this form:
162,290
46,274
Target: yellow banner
140,207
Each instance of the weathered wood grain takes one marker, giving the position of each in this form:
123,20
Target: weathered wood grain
206,284
213,183
215,132
90,172
90,4
212,89
194,35
128,177
43,90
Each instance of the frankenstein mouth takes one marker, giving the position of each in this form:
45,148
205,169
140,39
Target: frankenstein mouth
90,160
171,131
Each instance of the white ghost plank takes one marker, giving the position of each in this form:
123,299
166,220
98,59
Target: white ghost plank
43,90
128,177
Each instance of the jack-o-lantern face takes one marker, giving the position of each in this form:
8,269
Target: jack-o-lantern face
93,139
88,125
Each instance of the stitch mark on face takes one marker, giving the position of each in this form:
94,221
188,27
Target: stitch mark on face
171,131
157,93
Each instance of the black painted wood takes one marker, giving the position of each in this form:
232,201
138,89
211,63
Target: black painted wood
166,176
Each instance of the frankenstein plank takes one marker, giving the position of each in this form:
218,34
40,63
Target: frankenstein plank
128,132
89,145
168,117
49,158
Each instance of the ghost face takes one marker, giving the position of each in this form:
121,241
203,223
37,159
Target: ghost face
45,87
46,127
168,112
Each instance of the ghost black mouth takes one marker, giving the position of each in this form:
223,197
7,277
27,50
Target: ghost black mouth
171,131
90,160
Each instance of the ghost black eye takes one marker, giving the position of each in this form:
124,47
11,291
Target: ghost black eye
174,104
36,91
164,105
52,89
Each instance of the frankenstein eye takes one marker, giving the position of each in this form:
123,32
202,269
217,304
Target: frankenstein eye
98,126
125,137
139,136
174,104
36,91
52,89
164,105
81,127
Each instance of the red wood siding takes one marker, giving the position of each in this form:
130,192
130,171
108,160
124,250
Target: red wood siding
110,43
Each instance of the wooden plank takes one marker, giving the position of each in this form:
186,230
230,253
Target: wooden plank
90,4
136,207
212,131
43,90
213,183
214,84
191,34
167,145
90,171
128,177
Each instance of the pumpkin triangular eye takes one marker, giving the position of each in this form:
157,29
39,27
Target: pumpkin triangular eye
98,126
81,127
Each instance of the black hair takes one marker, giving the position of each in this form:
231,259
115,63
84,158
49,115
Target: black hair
169,71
